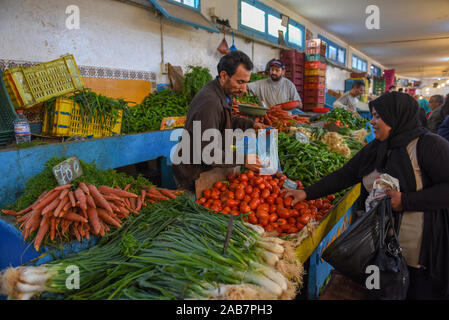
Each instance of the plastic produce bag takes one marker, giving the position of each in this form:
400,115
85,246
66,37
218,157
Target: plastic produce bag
266,147
383,183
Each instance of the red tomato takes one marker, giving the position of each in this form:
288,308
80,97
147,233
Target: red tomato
269,228
292,230
252,218
215,208
299,226
288,202
244,208
255,194
281,222
239,194
284,213
215,195
233,186
232,203
269,200
207,205
273,217
279,201
250,174
273,208
207,194
223,188
291,220
265,194
254,203
294,213
263,221
319,203
262,215
247,198
243,177
304,219
202,200
235,212
216,203
226,210
276,190
249,190
230,195
231,177
331,197
218,185
299,206
285,227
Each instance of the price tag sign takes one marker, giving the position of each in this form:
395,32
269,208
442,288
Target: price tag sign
67,171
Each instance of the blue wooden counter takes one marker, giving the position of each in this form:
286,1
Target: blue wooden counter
18,165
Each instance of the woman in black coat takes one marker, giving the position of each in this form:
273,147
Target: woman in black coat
420,160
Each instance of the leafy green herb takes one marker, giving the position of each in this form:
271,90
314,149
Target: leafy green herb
194,80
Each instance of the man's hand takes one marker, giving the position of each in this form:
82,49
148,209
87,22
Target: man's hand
252,162
259,126
396,199
298,195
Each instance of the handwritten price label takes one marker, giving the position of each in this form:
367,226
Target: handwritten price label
67,171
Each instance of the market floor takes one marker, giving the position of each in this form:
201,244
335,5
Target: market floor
342,288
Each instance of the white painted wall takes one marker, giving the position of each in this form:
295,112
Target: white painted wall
120,35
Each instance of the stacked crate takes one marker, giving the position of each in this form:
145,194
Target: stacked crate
315,75
315,50
294,69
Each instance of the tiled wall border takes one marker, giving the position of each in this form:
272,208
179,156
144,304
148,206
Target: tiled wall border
91,72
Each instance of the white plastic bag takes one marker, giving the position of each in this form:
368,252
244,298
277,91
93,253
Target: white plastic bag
383,183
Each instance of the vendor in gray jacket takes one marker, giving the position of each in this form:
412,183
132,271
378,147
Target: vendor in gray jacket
277,89
212,107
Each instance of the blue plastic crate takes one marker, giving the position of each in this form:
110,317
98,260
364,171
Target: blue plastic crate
14,251
319,270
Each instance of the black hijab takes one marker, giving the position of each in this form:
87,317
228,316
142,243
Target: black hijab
401,112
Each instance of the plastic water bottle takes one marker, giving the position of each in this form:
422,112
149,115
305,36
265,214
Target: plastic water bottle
22,128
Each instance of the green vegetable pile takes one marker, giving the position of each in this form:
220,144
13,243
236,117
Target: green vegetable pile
148,115
194,80
257,77
305,162
93,106
345,117
248,98
46,181
174,250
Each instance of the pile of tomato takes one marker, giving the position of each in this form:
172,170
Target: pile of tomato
263,197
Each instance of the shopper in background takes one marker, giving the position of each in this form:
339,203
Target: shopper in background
276,89
423,103
349,100
392,88
444,128
436,118
420,160
401,90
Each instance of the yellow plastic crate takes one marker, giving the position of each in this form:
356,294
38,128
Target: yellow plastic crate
30,86
315,72
67,121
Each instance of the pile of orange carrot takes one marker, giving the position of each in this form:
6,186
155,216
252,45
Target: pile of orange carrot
84,211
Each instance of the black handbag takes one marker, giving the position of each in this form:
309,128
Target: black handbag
372,240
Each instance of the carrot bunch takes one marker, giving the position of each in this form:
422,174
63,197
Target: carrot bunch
276,117
83,211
